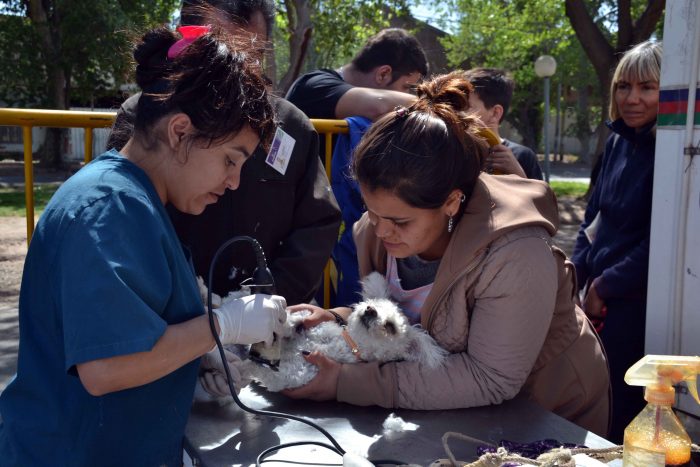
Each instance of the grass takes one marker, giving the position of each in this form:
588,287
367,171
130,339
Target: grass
12,200
570,189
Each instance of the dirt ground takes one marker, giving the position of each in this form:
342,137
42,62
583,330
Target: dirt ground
13,248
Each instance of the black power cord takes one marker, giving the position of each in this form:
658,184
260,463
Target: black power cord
262,278
263,282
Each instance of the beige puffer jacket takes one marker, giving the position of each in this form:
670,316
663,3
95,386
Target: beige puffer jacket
502,304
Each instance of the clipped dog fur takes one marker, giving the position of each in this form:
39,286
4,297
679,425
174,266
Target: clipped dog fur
377,326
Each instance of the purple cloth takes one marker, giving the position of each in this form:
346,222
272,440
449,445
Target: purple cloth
530,450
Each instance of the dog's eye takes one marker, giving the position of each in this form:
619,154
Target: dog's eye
390,327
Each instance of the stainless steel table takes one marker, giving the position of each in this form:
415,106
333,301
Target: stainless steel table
226,435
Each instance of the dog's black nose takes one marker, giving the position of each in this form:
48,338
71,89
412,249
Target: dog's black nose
368,316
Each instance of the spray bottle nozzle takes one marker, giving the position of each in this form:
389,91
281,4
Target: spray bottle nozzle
665,371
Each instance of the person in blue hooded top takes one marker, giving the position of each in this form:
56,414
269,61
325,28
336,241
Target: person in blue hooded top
111,320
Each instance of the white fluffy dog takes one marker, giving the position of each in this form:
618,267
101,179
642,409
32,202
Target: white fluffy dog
376,330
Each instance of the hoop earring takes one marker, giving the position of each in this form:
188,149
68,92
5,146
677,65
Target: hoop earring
462,198
450,224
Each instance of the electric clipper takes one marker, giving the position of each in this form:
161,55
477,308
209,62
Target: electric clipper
261,353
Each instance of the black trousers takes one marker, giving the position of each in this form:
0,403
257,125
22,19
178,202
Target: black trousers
623,339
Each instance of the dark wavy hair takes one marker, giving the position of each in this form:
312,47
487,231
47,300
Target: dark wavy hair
493,86
395,47
214,81
423,152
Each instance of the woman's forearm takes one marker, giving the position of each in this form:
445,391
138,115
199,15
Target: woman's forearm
180,344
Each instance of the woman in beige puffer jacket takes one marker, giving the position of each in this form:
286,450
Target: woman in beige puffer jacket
500,294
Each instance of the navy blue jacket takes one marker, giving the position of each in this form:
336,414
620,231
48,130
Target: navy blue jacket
619,254
347,192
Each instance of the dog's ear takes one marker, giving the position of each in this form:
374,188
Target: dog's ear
426,350
374,285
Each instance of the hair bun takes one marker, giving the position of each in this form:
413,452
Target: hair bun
151,57
450,89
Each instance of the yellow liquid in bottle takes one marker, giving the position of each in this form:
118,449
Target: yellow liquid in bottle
641,450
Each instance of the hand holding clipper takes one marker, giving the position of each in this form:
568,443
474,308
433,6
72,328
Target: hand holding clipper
251,319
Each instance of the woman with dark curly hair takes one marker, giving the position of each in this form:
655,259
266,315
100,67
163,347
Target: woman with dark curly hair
111,320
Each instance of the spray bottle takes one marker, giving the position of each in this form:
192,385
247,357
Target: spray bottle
656,438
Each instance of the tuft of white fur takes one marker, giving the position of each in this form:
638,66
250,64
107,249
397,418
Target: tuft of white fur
374,286
378,327
216,300
394,423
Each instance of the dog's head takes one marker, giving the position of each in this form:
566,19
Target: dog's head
382,332
380,328
378,318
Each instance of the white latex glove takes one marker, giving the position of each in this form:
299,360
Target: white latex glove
212,375
251,319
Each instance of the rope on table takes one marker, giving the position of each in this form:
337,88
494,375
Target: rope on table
561,457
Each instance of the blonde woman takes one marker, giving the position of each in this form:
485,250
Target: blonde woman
612,249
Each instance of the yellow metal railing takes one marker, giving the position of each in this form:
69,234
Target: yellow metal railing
28,119
328,128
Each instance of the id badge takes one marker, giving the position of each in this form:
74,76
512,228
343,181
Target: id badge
280,151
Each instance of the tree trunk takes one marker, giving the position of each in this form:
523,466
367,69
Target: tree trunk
300,32
528,121
583,124
602,55
47,22
562,130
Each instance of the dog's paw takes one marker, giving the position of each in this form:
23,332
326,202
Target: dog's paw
295,322
202,396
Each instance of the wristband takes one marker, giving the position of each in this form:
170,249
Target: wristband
338,319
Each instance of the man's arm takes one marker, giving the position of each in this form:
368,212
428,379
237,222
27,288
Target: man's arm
370,103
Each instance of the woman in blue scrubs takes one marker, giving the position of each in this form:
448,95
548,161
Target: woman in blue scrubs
111,321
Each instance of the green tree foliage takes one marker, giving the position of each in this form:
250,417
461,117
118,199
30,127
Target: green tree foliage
606,29
329,32
87,41
21,84
64,52
342,27
511,35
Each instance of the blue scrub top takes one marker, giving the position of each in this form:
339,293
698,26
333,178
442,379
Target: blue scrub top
104,276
